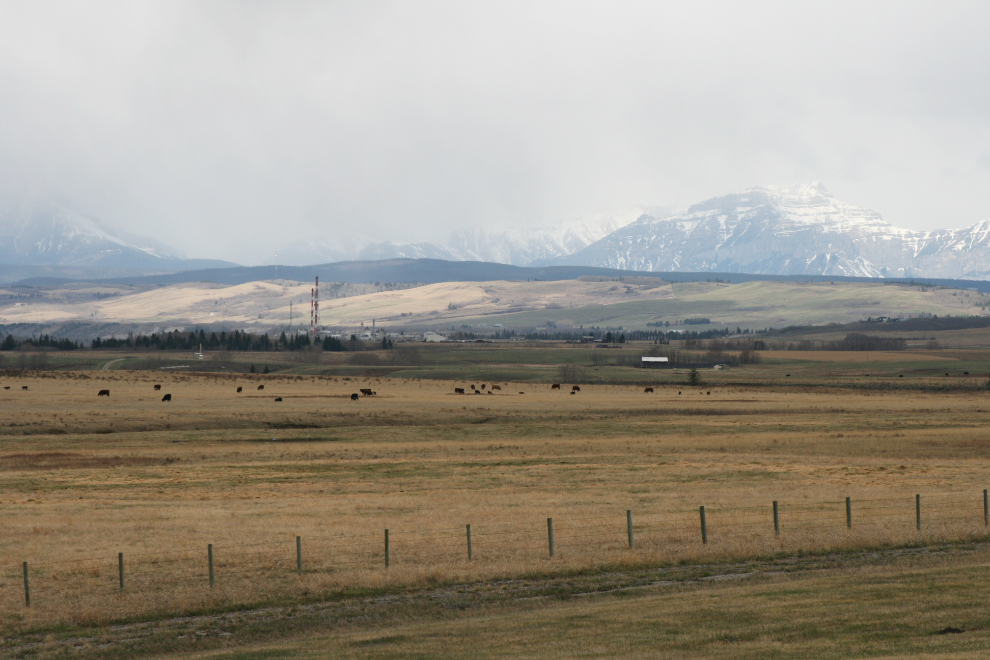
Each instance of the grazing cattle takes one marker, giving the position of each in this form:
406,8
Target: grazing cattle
496,387
7,387
103,393
678,394
555,386
458,390
787,375
354,397
366,392
24,387
575,388
158,387
473,387
482,386
946,373
477,391
965,373
167,397
261,387
708,393
489,391
573,392
278,398
648,390
522,392
240,389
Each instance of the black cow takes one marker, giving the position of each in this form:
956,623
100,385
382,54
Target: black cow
648,390
261,387
7,387
158,387
355,397
575,388
103,393
555,386
240,389
482,386
24,387
278,398
458,390
167,397
367,392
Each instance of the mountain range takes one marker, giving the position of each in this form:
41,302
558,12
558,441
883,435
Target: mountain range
773,230
516,247
789,230
46,232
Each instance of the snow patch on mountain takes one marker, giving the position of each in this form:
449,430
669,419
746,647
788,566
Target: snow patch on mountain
522,246
789,230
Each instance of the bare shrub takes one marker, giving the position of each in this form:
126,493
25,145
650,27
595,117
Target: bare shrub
572,373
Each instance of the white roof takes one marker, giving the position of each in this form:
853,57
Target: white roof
655,359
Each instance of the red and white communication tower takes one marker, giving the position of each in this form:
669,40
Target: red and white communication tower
314,309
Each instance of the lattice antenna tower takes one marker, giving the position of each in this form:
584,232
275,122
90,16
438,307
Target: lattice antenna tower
314,309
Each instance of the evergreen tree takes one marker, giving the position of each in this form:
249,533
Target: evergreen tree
694,378
253,369
266,369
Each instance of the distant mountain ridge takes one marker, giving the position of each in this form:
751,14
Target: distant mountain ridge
518,247
789,230
49,232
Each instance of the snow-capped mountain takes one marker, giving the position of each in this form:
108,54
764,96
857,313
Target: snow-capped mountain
789,230
50,232
519,247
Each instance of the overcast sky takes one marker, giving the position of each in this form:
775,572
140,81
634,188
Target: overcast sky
227,129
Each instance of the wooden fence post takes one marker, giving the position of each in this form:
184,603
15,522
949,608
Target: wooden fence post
629,529
917,511
120,568
704,527
550,535
776,519
387,558
849,513
299,554
27,587
470,553
209,554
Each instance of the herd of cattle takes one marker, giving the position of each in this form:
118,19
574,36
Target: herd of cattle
368,392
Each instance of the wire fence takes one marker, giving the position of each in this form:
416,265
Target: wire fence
286,565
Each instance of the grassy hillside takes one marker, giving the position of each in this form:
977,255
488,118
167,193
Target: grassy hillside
630,302
763,304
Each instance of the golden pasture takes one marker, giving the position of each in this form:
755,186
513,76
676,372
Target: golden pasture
87,477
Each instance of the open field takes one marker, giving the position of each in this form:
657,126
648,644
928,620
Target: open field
631,302
87,477
897,609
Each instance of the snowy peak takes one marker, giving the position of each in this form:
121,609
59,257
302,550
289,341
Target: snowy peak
798,229
46,231
516,246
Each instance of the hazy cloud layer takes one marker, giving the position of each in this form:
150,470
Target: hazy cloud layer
228,129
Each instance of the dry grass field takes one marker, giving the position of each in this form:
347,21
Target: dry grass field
83,478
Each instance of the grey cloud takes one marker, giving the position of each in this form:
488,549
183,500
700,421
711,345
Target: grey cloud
228,129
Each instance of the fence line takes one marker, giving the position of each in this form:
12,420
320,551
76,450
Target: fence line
940,514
